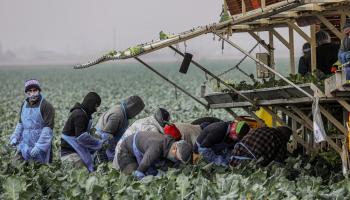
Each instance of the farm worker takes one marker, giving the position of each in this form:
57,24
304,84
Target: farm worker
326,52
142,152
217,139
264,145
33,132
154,123
305,60
344,51
77,145
113,123
205,121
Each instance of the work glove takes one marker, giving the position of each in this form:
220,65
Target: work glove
13,141
139,175
34,152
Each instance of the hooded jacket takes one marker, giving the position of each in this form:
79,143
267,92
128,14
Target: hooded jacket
153,146
189,132
113,120
148,124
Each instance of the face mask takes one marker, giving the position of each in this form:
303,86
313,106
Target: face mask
33,96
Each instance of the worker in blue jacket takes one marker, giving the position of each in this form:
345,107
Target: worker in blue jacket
33,133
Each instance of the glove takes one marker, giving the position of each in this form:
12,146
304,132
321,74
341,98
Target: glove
34,152
13,141
139,175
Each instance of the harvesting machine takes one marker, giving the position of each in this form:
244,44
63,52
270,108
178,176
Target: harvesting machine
307,109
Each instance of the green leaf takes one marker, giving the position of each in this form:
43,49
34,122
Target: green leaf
13,187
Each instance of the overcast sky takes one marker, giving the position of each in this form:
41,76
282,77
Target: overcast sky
91,27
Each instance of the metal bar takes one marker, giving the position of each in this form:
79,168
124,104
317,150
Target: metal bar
169,81
267,67
213,75
344,104
236,66
330,26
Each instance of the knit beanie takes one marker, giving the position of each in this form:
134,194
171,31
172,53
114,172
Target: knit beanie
31,83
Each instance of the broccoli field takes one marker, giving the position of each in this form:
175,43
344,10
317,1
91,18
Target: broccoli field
300,178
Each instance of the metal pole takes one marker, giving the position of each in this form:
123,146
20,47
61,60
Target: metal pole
174,84
237,65
267,67
214,76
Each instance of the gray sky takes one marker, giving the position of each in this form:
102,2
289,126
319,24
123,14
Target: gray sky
86,28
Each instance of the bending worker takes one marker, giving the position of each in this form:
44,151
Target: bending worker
154,123
77,145
217,139
113,123
264,145
142,151
33,132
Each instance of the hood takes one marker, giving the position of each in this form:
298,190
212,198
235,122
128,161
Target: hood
91,101
133,106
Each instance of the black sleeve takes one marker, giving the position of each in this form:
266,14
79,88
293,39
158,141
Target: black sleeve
48,114
80,123
214,133
20,113
302,68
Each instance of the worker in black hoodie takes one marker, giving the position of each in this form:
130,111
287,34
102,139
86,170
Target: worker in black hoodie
76,142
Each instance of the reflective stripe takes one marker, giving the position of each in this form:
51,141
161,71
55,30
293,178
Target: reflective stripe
249,151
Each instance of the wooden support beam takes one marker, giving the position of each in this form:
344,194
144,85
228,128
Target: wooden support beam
330,26
280,38
295,134
299,31
345,104
291,50
252,114
333,120
261,41
313,47
308,120
244,10
272,51
231,112
294,117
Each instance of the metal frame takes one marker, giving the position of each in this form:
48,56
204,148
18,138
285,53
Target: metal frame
266,18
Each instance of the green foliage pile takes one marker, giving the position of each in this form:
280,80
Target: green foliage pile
317,78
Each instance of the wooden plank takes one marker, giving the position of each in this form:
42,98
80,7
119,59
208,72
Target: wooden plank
272,52
307,120
299,31
345,104
291,50
333,120
295,134
330,26
260,121
261,41
294,117
313,47
280,38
